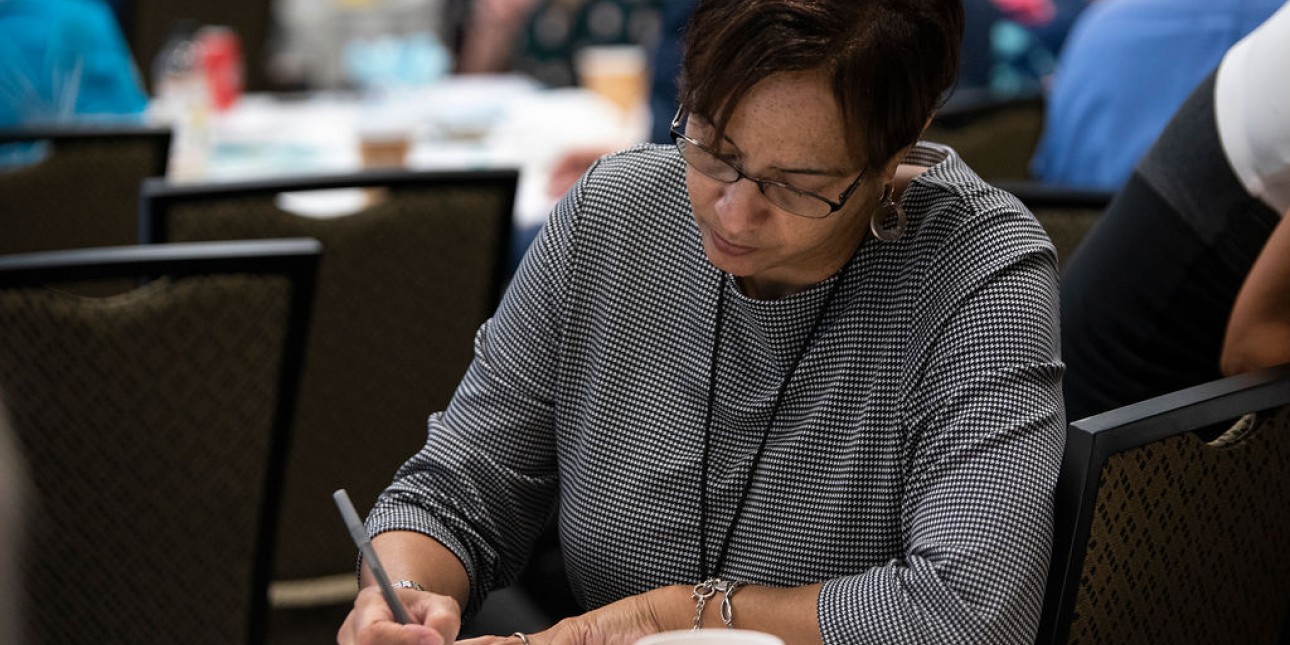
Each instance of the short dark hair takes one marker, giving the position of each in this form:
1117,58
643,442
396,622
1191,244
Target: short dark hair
891,61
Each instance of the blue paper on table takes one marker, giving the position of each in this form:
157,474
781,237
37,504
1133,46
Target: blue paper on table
390,61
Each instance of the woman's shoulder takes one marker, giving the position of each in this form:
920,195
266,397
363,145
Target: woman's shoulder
949,195
630,203
645,180
958,218
639,165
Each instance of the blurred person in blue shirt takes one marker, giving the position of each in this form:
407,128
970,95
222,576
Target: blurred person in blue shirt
1125,69
1186,277
63,60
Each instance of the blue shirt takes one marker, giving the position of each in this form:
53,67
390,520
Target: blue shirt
1125,68
61,59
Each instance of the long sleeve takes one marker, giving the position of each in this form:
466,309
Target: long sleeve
982,411
485,482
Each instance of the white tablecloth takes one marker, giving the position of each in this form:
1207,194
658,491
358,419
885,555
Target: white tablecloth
458,123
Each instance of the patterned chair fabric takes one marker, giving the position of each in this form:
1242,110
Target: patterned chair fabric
153,424
14,502
402,288
84,192
1165,538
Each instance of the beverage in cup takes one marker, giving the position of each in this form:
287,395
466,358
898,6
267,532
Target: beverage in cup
383,143
616,72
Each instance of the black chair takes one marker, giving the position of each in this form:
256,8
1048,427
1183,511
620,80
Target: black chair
14,503
403,288
1164,537
996,137
1067,213
155,425
84,192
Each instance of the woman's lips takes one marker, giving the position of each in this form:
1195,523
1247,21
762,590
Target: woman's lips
728,248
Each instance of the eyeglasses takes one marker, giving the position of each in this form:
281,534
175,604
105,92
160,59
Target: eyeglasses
794,200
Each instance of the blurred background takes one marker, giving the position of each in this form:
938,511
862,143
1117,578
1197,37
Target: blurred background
185,62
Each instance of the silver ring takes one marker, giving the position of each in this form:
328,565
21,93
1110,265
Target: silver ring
523,638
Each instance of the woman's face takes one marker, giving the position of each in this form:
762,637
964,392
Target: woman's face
788,129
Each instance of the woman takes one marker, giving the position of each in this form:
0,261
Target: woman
740,366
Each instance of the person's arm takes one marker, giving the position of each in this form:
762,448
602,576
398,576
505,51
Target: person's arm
985,427
1258,331
462,514
412,556
493,28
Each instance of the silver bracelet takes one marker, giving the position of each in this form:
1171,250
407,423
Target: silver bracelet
709,588
407,584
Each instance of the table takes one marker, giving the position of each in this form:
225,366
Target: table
461,122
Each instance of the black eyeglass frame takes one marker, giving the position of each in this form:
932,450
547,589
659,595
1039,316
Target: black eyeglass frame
834,206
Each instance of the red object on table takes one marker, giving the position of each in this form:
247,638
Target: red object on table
220,55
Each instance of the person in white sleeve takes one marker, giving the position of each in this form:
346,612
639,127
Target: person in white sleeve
1149,300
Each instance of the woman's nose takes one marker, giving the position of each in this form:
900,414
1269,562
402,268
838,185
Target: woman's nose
742,205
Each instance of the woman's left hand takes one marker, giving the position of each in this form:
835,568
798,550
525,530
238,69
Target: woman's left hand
619,623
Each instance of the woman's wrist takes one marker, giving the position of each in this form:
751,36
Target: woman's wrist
709,604
672,606
715,591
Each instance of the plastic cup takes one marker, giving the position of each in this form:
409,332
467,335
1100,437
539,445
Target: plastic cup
617,72
384,140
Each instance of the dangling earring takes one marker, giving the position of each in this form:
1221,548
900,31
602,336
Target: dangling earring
882,225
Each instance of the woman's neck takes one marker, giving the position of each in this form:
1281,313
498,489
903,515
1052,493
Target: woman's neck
770,288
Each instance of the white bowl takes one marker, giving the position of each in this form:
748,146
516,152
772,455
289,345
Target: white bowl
710,637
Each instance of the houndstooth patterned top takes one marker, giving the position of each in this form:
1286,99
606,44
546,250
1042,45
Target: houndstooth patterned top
910,465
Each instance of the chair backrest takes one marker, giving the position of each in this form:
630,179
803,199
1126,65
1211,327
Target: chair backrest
1067,214
14,503
996,138
84,192
1162,537
402,290
154,425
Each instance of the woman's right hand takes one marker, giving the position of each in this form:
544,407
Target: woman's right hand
435,620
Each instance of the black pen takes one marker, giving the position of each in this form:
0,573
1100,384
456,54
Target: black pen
364,544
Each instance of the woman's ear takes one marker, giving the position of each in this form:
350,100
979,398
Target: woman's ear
888,170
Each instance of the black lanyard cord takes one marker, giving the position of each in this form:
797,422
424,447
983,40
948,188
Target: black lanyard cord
704,571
